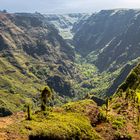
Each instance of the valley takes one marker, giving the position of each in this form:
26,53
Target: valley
85,60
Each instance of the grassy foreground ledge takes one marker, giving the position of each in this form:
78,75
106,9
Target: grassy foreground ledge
71,121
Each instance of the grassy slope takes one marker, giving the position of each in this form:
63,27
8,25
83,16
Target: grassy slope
69,121
79,120
125,104
15,86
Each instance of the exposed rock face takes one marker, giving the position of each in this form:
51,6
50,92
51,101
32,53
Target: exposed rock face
65,20
4,112
78,25
31,52
60,85
113,35
45,36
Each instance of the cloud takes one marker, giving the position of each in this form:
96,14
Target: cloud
65,6
131,3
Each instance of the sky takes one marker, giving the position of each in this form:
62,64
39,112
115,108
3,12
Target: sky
65,6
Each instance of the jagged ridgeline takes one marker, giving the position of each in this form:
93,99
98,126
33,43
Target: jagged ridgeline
110,38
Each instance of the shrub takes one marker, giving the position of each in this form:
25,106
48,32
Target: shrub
62,126
118,123
117,105
102,117
28,112
130,81
45,96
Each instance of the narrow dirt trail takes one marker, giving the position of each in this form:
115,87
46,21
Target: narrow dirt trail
7,121
4,123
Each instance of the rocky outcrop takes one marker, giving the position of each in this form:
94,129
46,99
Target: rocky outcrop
5,112
60,85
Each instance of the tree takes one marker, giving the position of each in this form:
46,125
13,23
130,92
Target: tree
87,96
45,96
107,106
28,112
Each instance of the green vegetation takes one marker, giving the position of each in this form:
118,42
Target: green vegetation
69,122
93,81
41,57
107,106
118,123
45,96
131,79
28,112
13,95
74,120
71,125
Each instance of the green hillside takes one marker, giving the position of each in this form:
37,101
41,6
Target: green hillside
82,85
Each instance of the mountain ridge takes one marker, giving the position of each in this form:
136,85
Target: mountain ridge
42,75
32,51
102,36
34,37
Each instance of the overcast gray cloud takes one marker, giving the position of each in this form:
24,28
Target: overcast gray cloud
65,6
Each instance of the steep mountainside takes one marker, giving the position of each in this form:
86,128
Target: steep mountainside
126,104
117,119
132,82
110,37
65,22
120,79
32,53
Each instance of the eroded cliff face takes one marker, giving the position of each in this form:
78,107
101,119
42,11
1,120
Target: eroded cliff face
111,35
32,34
31,52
